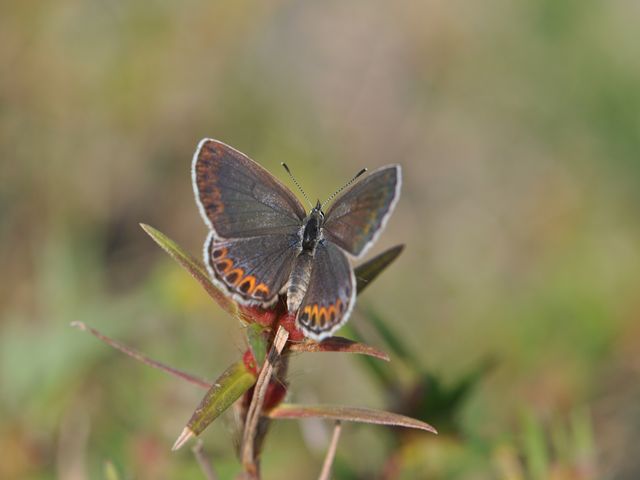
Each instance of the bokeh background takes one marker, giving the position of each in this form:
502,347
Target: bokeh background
518,128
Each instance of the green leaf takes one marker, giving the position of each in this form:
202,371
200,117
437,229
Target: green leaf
444,402
393,341
110,472
193,266
535,447
227,388
383,375
582,434
339,344
368,271
348,414
257,343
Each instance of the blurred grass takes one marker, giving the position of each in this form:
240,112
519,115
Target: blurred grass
517,125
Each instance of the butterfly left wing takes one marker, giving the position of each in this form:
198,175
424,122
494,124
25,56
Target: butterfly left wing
357,217
239,198
251,270
331,293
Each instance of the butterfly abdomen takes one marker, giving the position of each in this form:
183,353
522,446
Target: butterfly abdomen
299,280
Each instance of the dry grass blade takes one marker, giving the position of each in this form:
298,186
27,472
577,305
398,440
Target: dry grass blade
255,408
331,452
348,414
203,461
339,344
140,357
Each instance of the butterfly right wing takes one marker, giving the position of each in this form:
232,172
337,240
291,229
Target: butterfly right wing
251,270
237,197
331,293
359,215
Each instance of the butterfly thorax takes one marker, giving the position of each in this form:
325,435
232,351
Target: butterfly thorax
311,234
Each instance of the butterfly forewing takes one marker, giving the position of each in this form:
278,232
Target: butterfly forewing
358,216
238,198
330,295
253,270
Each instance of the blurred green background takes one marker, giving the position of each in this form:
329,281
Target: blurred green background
518,128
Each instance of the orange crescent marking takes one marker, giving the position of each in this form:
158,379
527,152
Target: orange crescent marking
214,202
322,314
314,313
252,283
331,310
227,262
261,287
239,272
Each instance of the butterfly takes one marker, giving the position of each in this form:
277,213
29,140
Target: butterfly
263,244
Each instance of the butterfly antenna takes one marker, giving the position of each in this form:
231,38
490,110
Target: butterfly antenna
331,197
297,184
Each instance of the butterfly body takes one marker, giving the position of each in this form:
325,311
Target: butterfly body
311,235
264,245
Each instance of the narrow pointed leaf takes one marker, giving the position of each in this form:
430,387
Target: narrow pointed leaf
339,344
140,357
383,375
193,266
392,340
246,314
368,271
228,387
348,414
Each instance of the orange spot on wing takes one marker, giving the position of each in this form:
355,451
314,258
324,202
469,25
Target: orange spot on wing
234,276
224,265
212,201
322,316
261,291
249,280
331,313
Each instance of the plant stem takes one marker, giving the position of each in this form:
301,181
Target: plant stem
331,452
203,461
140,357
249,460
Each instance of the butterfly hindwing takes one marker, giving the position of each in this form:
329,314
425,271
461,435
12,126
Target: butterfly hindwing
252,270
357,217
238,198
330,295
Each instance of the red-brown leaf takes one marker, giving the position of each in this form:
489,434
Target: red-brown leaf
348,414
339,344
